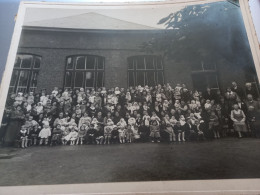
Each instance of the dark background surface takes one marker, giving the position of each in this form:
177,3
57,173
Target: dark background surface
226,158
8,10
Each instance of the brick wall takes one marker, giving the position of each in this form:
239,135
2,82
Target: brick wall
116,47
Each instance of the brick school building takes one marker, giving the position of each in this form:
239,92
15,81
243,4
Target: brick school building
62,53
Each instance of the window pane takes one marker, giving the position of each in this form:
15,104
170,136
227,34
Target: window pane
23,78
212,81
149,62
90,78
100,78
34,79
196,66
140,78
37,62
140,63
21,89
130,63
68,79
80,63
70,64
150,78
100,63
199,82
79,79
160,78
91,62
131,79
209,66
26,61
18,61
11,90
159,64
14,78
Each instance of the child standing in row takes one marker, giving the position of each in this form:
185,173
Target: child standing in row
34,134
121,132
24,136
155,131
44,134
129,133
81,134
56,135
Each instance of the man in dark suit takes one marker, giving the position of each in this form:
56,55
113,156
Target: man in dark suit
191,133
251,102
251,90
239,91
208,94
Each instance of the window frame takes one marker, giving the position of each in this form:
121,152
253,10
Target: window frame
132,62
95,71
29,85
207,73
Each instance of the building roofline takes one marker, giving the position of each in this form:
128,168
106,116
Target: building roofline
54,29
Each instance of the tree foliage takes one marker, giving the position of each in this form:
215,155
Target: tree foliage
199,32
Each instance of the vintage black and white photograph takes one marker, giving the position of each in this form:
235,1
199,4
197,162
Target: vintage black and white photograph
129,94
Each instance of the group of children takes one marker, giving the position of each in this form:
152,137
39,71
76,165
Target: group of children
136,114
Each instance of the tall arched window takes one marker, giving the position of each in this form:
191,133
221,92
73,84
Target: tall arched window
25,73
145,70
84,71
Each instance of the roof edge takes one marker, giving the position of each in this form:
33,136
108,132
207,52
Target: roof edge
54,29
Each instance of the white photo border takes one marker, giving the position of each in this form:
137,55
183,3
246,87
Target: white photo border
226,186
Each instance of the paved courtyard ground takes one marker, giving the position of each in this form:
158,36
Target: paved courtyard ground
227,158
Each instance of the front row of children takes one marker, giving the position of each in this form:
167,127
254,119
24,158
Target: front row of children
90,134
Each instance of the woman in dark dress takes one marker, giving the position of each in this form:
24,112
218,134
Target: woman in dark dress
14,126
4,125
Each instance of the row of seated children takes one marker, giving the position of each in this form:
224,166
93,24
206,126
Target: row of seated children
89,133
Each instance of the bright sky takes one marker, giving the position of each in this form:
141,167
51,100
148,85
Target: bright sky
148,16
